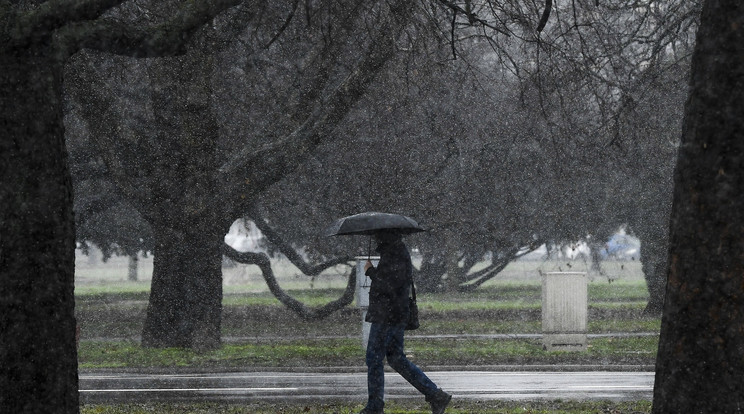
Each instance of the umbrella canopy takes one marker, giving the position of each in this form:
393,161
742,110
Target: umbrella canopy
371,223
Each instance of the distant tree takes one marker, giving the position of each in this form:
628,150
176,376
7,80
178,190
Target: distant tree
498,155
103,219
38,358
650,131
699,364
610,80
502,138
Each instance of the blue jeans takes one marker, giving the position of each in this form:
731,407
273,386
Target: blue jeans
387,341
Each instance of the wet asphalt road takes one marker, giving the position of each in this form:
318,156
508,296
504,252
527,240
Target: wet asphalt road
265,386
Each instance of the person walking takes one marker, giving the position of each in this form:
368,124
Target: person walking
388,313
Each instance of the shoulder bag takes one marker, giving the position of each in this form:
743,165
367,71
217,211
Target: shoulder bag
413,319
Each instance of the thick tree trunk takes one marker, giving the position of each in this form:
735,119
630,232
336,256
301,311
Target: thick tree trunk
655,274
38,357
654,254
185,308
186,294
700,363
429,277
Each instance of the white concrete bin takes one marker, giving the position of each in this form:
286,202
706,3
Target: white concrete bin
362,293
564,311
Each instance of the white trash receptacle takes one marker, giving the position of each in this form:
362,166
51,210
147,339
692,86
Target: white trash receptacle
564,311
362,293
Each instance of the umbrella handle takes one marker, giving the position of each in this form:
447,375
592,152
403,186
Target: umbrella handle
369,249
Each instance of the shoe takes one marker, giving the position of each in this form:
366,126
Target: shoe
439,401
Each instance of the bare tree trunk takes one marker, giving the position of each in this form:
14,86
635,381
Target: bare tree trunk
700,367
654,252
452,262
185,307
38,353
654,272
429,277
38,357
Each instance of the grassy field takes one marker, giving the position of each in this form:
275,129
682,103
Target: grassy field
260,332
347,352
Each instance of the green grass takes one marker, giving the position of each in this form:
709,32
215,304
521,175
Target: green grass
621,290
609,347
476,352
314,297
466,326
393,407
444,306
124,318
138,289
92,355
625,325
348,352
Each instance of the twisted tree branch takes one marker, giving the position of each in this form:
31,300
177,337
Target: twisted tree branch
306,313
289,251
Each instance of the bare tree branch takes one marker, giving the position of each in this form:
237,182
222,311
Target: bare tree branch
169,38
251,171
54,14
285,25
321,58
497,265
262,261
289,251
545,15
452,34
472,17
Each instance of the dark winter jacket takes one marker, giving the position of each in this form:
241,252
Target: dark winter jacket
391,284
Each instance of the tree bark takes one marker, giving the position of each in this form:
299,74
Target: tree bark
700,366
38,356
429,276
38,353
654,255
185,307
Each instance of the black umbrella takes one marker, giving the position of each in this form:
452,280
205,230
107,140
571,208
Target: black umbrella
372,222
